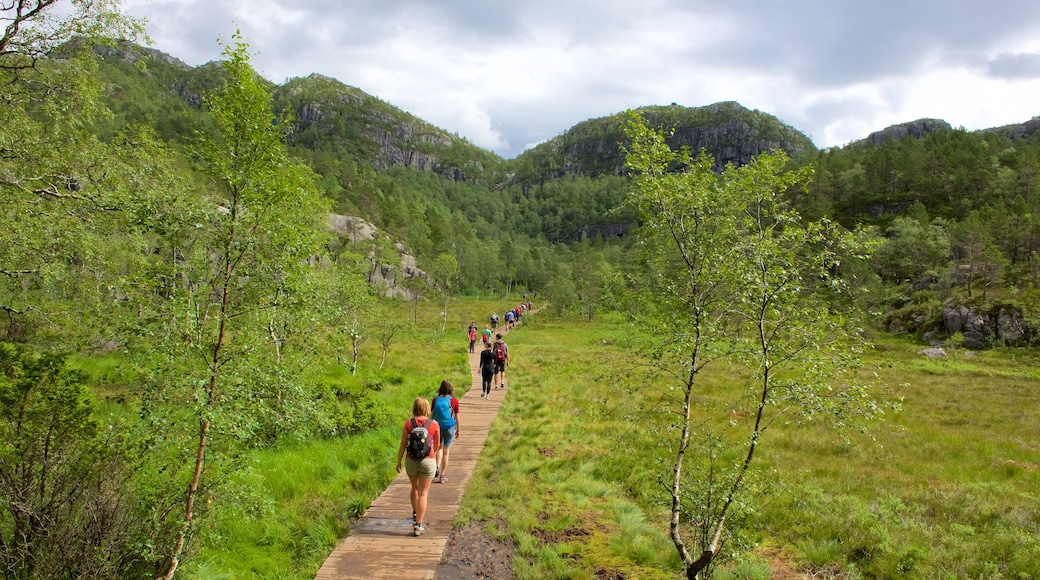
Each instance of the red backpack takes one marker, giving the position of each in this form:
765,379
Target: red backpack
500,351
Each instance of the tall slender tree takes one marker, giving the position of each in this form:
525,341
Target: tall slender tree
267,217
732,272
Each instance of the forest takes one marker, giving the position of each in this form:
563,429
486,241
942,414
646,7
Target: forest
175,306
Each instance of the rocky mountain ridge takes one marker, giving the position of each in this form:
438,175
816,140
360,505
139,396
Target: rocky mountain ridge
344,120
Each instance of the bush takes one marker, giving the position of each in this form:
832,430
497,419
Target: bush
68,510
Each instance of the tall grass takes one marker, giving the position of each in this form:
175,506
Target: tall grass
580,448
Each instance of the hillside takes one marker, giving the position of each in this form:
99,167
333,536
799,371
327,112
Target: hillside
151,87
732,134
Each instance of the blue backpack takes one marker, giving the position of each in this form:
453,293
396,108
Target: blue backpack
442,412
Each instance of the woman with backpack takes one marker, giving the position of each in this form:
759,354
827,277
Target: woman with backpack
500,351
472,334
446,413
487,370
420,439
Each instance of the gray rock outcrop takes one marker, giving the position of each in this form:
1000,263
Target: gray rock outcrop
392,275
1002,324
916,129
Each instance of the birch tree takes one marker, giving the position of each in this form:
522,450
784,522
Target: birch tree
735,275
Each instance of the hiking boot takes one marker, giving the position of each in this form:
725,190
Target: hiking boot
443,479
418,529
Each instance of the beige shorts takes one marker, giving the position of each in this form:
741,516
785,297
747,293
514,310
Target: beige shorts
425,468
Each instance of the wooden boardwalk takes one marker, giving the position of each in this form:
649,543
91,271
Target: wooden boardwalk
381,544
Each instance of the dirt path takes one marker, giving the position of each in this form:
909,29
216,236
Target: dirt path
381,544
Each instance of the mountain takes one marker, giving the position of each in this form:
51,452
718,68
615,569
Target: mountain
151,87
727,130
1019,130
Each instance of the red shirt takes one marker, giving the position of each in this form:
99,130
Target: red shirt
431,426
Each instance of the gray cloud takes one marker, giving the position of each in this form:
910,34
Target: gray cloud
509,74
1014,66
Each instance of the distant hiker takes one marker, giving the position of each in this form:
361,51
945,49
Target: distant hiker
472,336
487,369
501,354
420,468
445,408
494,321
524,296
510,318
485,335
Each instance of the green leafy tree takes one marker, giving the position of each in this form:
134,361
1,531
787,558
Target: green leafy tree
265,219
913,249
446,276
33,29
980,260
736,266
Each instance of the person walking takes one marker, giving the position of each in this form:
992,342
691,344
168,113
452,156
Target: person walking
487,370
501,354
472,336
419,467
445,409
485,335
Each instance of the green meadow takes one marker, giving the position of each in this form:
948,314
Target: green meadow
945,486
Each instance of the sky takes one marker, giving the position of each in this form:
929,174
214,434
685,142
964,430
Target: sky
507,75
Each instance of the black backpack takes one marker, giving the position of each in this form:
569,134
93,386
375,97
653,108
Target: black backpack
419,442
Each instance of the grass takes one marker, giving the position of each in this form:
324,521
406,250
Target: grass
913,497
572,472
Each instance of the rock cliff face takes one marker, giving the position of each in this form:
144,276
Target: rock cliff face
339,118
916,129
731,133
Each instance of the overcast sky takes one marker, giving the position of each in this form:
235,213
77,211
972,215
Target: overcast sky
510,74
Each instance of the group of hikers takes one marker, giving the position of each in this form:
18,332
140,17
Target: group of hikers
427,437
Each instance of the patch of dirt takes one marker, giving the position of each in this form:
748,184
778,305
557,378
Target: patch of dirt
563,536
472,554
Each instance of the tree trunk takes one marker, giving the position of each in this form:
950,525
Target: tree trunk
204,424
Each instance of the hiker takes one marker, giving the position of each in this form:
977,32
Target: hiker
487,370
494,321
445,409
501,353
485,335
420,470
472,336
510,318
